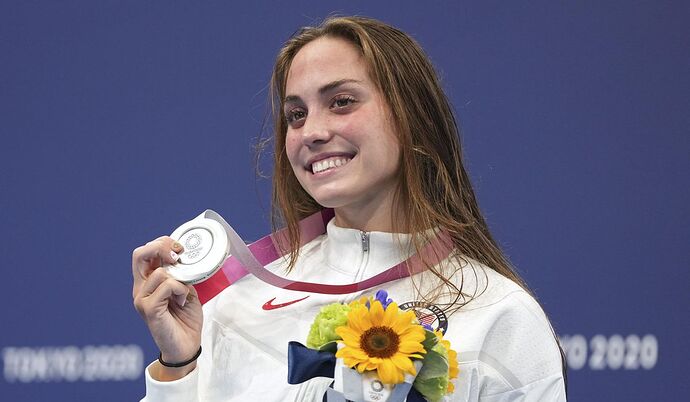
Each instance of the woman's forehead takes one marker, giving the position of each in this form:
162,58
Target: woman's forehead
325,60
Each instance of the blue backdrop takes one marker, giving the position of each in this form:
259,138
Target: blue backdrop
120,120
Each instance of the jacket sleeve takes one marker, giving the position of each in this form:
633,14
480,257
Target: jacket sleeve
550,389
187,388
183,390
518,360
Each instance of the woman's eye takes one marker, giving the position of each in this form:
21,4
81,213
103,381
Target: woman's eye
342,101
295,115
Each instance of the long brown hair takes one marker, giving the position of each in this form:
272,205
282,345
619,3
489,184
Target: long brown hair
434,188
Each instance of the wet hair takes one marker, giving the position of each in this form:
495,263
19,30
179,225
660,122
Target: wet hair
434,188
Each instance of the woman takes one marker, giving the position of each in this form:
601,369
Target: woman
362,127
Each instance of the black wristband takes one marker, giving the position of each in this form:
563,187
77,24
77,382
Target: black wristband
181,364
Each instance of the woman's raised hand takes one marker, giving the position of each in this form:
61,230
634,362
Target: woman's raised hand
171,309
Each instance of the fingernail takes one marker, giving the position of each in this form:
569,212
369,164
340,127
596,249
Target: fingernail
177,246
174,256
181,301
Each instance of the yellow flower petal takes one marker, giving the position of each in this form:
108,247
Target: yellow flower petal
352,353
358,320
388,373
376,313
411,347
404,364
390,315
402,321
349,335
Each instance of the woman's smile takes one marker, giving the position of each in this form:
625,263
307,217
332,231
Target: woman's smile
329,164
340,140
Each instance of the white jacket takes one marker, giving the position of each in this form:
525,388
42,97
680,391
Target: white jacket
506,348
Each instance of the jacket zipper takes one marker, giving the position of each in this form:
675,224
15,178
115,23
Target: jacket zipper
364,238
365,241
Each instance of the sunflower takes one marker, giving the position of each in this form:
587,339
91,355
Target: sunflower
382,340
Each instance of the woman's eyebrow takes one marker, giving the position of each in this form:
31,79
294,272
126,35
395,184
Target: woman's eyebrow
324,89
335,84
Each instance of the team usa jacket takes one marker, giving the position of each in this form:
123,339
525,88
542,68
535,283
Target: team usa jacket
506,347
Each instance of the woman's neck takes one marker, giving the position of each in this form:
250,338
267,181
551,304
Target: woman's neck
377,219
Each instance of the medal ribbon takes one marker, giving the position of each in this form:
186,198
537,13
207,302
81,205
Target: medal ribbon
252,259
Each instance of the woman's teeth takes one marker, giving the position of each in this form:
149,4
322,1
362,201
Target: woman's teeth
329,163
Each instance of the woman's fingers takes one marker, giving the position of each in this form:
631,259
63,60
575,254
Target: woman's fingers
158,276
170,288
153,298
192,295
145,259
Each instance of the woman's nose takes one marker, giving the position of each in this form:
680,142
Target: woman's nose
316,130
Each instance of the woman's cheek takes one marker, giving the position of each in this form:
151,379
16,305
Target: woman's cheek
291,147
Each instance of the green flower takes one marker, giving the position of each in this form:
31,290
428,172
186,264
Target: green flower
329,318
433,389
440,366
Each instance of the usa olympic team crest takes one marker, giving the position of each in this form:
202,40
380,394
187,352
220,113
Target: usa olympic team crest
427,314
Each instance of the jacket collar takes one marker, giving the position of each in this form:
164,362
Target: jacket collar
345,251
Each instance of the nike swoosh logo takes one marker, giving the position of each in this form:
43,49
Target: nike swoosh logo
270,306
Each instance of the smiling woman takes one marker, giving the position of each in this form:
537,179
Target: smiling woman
340,140
362,127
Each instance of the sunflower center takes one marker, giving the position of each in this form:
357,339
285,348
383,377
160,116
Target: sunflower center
380,342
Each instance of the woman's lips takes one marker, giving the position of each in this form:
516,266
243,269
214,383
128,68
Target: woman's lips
329,163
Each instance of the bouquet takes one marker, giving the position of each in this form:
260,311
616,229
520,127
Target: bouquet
384,347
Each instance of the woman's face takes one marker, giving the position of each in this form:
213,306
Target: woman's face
340,140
